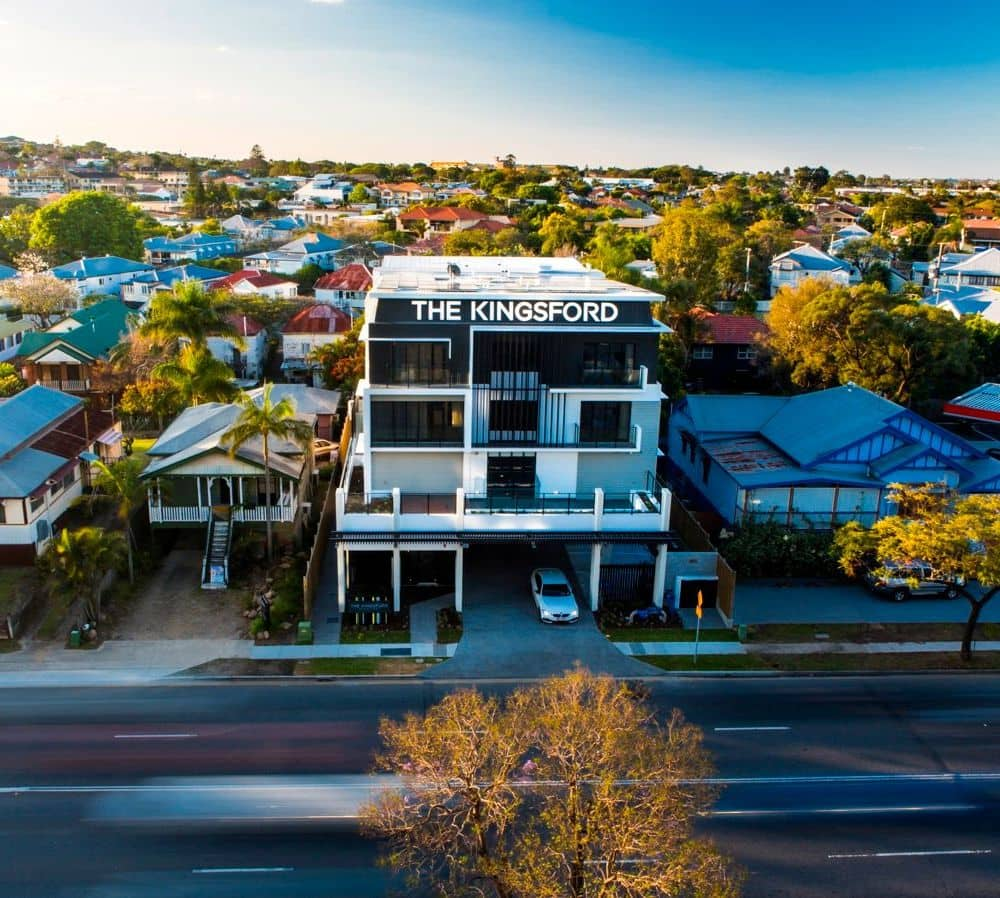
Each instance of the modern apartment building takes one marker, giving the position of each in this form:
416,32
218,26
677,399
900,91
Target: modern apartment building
504,400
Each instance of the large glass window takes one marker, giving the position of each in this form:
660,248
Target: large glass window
605,422
609,363
417,423
417,363
513,420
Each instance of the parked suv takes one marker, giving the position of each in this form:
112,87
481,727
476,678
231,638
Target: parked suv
903,580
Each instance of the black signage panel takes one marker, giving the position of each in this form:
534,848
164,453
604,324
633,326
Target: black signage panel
529,312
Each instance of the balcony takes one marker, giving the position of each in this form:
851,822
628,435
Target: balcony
532,440
244,514
67,386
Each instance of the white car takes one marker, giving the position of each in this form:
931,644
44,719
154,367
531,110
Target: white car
553,596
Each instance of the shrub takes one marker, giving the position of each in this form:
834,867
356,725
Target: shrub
770,550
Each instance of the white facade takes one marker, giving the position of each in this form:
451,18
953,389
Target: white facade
806,262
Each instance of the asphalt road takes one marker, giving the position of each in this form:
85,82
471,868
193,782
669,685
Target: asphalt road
883,786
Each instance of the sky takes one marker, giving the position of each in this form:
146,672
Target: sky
874,87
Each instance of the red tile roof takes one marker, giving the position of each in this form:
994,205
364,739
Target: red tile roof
246,326
255,277
982,229
442,213
732,329
318,319
354,277
488,224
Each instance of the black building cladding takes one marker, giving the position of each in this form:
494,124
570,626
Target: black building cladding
438,354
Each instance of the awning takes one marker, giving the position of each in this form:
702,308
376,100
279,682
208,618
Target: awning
89,456
111,437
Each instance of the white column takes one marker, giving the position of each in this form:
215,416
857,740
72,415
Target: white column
666,497
397,504
397,576
197,482
460,510
595,576
341,580
459,577
660,575
340,504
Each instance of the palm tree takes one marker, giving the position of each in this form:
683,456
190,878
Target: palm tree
189,314
77,561
197,376
122,482
266,419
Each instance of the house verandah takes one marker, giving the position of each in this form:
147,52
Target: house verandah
194,481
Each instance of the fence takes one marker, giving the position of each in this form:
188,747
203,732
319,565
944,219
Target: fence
346,433
627,584
314,566
694,537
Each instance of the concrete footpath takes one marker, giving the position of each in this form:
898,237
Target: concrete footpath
121,662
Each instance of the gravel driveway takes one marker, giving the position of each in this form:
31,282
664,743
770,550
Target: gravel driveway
174,606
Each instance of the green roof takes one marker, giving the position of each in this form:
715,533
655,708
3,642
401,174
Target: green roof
101,327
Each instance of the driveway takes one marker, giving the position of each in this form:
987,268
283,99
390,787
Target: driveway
832,602
503,637
172,605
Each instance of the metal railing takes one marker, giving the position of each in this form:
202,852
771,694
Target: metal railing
66,386
575,441
188,514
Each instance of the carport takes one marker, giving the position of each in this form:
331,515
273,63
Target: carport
661,541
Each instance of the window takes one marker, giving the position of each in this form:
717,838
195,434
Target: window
605,422
746,353
609,363
36,502
69,480
513,420
703,352
417,423
416,363
3,513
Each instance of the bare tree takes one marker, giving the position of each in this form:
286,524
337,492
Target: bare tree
37,293
568,788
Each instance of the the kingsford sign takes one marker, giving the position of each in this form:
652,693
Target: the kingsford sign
541,311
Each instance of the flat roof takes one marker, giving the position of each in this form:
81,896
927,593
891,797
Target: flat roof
497,276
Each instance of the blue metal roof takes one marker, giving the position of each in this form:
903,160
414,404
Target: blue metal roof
99,266
813,424
30,412
23,473
7,272
811,259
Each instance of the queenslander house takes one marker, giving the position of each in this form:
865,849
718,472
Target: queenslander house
816,460
505,401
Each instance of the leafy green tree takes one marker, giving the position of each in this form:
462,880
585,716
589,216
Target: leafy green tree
611,249
693,246
824,334
957,536
87,223
15,232
985,350
470,242
197,376
567,788
10,380
76,562
196,195
899,209
257,163
188,314
342,362
358,194
150,398
562,234
266,419
121,481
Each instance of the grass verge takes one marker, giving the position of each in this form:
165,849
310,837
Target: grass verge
363,667
668,634
832,662
866,633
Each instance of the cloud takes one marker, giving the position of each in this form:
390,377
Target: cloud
222,48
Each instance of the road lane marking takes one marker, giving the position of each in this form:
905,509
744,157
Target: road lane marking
928,853
751,729
243,870
156,736
897,809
